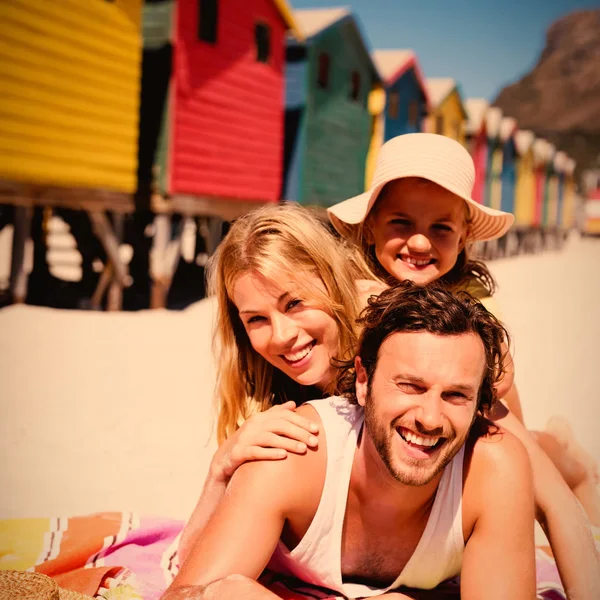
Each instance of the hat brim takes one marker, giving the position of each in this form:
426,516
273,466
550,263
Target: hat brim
485,223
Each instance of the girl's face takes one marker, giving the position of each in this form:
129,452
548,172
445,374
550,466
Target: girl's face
291,333
418,229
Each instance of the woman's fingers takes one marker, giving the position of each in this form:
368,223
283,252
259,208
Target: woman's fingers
239,455
288,429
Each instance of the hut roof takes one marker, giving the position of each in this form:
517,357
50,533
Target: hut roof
493,120
392,64
313,21
439,89
560,161
476,109
288,16
524,140
508,126
543,150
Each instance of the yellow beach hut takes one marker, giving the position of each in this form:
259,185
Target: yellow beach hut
447,111
525,187
70,77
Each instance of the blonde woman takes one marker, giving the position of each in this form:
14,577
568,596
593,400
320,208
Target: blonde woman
288,294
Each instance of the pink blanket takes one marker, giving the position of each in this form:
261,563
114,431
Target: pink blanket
123,555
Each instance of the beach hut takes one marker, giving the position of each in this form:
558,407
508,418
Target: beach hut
560,164
69,120
508,128
400,105
549,212
569,195
406,93
525,193
211,125
477,142
447,111
493,194
542,154
212,103
328,124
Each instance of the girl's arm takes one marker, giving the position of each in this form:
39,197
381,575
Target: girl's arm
560,515
265,436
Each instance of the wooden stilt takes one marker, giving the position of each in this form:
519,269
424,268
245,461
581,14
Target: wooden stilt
115,291
110,242
164,259
21,233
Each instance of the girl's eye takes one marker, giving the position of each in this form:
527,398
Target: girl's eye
292,303
401,222
441,227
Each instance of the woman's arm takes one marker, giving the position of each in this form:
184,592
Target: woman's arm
266,436
560,516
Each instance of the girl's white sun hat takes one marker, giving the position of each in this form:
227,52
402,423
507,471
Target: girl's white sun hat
429,156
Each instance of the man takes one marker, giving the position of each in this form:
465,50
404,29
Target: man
408,487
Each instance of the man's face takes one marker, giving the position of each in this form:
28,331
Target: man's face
421,401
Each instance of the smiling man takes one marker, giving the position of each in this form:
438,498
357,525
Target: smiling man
408,488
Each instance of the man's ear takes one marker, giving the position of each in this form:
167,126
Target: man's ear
362,381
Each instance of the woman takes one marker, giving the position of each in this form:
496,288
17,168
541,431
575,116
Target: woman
288,300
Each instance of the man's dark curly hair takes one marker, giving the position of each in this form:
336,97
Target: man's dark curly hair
408,307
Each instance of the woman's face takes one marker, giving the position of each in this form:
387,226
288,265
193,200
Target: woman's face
291,333
418,229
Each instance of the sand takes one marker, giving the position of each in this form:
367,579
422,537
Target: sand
105,411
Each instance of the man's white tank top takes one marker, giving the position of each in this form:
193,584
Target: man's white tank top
317,559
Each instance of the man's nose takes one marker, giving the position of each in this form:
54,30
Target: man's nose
285,332
430,413
419,243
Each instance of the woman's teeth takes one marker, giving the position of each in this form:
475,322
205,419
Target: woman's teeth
418,440
300,354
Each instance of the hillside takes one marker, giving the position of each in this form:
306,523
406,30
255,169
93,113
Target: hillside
559,99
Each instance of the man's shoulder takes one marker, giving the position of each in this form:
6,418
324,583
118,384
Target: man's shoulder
494,451
497,463
289,480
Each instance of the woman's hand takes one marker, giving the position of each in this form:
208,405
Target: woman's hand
269,435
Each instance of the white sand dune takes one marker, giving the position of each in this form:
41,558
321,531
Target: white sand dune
105,411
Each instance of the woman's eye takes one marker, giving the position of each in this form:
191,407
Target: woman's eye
255,319
292,303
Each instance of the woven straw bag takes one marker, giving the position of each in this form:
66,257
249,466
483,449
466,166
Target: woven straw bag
24,585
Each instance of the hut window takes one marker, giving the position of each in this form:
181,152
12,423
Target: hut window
208,15
323,74
394,105
439,124
262,39
413,113
355,86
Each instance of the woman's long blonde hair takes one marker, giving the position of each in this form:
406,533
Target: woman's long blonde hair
276,241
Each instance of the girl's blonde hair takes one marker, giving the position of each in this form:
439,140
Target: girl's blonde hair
276,241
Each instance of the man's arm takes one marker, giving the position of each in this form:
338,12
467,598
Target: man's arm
243,532
499,557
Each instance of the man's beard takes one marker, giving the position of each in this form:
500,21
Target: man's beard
420,472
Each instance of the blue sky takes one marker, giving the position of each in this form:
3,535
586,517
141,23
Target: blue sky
482,44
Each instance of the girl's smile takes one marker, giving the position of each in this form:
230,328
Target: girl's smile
418,229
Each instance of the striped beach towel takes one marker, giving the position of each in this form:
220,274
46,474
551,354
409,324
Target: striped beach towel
122,556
